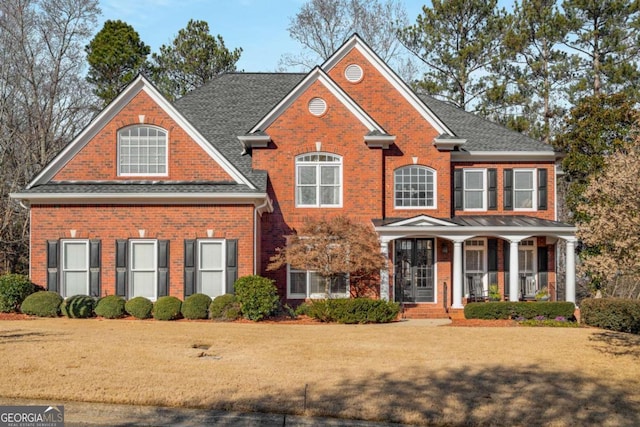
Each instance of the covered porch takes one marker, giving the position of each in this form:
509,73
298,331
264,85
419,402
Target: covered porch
448,262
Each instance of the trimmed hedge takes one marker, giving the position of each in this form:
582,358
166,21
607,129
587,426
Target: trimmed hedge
110,307
355,310
42,304
167,308
616,314
78,307
224,307
258,297
196,306
523,309
14,288
139,307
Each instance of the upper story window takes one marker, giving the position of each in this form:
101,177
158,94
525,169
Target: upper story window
524,189
475,189
318,180
142,150
415,187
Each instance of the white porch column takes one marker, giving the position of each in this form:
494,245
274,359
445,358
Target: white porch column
457,275
570,278
384,274
514,271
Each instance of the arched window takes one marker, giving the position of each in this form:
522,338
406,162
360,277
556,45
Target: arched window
415,187
318,180
142,150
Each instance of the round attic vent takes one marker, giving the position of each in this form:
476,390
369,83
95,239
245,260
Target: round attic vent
353,73
317,106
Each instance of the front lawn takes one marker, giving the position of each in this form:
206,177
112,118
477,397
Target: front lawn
402,372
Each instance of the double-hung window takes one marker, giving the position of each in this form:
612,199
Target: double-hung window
308,284
414,187
143,267
75,268
474,264
318,180
211,271
475,189
524,189
142,151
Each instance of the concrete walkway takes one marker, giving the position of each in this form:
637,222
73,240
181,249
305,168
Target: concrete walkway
77,414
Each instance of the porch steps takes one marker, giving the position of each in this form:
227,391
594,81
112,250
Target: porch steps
424,311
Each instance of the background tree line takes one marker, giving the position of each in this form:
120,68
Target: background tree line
565,72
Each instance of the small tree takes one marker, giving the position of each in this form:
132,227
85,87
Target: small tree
332,247
610,228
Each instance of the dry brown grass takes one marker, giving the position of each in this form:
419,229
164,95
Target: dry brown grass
402,372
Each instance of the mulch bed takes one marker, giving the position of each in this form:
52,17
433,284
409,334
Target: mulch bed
15,316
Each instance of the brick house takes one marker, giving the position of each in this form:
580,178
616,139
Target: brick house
154,198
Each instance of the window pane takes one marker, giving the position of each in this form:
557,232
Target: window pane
212,283
525,261
329,175
298,282
523,180
143,256
76,283
473,260
306,175
143,284
417,185
523,199
75,256
474,180
316,284
329,195
307,195
339,285
142,150
211,255
473,199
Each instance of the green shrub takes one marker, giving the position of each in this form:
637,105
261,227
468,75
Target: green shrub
224,307
78,307
520,309
258,297
139,307
14,288
167,308
196,306
616,314
356,310
303,309
42,304
110,307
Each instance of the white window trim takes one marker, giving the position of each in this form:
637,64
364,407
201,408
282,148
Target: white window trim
130,269
308,294
63,285
435,190
485,260
166,151
534,190
223,269
484,190
318,165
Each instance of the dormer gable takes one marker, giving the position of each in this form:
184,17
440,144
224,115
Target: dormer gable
138,144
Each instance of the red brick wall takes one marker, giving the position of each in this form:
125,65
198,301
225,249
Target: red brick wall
98,160
163,222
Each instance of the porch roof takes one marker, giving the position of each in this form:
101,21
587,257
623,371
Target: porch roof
510,227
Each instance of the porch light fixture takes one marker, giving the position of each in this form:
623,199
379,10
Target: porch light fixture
445,248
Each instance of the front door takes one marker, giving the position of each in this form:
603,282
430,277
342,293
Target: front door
414,270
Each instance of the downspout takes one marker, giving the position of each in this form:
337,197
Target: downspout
266,206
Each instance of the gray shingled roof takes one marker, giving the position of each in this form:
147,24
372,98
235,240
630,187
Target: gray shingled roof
230,105
481,134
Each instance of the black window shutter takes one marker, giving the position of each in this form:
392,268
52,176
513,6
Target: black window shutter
542,189
94,268
508,190
492,178
163,268
232,264
53,256
492,260
506,256
543,259
121,268
189,267
458,188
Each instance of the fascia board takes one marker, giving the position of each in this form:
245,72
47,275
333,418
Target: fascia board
465,156
392,78
319,75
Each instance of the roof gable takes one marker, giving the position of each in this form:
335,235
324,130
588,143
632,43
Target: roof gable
138,86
